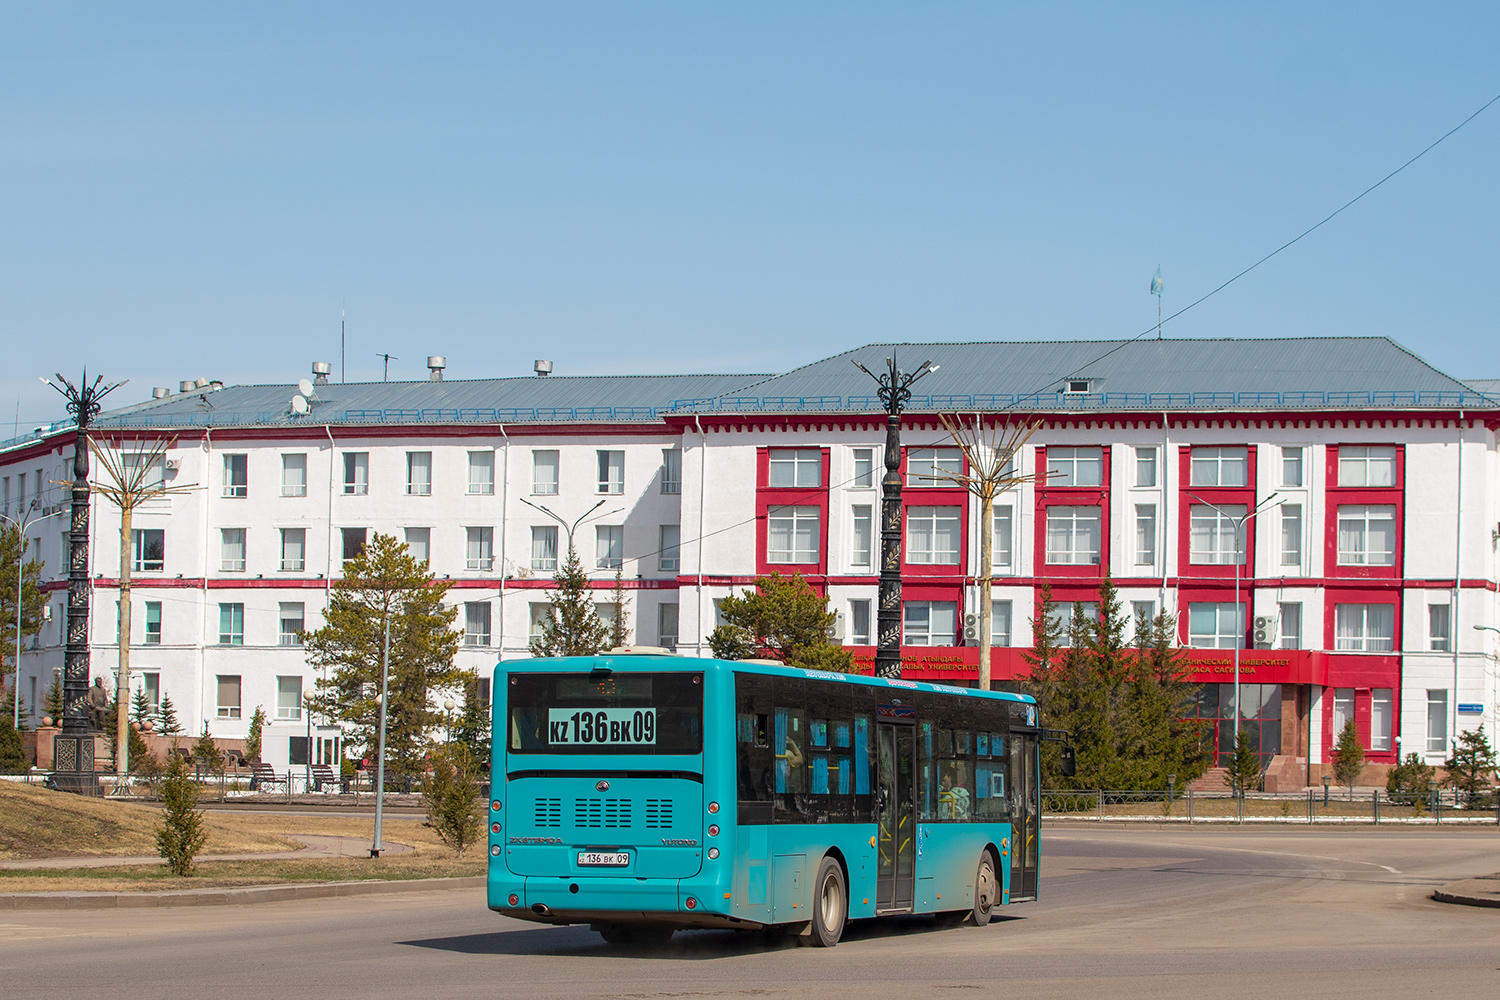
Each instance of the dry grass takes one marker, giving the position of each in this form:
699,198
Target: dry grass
425,862
37,823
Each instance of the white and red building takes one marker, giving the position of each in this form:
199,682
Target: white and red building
1367,583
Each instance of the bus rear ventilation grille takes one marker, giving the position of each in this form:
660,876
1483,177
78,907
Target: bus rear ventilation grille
609,814
659,814
549,812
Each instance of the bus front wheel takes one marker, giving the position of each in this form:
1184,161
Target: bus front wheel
986,890
830,904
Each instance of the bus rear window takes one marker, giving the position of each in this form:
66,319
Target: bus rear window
614,714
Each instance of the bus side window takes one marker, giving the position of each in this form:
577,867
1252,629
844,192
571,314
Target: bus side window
927,739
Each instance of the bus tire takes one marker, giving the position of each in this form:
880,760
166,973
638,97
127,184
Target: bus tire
830,910
986,890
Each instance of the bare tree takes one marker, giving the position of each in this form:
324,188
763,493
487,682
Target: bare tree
991,458
131,474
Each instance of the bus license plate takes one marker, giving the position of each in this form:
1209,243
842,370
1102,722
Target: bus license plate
605,859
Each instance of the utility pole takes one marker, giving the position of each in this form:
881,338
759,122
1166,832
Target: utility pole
21,525
385,683
894,393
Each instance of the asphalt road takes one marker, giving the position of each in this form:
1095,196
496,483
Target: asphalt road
1139,912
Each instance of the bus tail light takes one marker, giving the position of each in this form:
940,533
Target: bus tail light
713,829
692,903
494,828
495,805
713,807
514,900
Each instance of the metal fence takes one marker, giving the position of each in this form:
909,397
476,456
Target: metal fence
1312,806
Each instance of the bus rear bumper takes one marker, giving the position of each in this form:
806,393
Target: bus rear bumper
607,900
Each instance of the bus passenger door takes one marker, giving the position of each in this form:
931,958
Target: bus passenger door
1025,815
896,816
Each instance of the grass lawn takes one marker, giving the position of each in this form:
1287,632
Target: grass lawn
427,861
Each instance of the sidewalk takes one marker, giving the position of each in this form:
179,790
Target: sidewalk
318,846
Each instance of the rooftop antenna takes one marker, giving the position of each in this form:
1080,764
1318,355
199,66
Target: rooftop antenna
388,358
343,368
1156,290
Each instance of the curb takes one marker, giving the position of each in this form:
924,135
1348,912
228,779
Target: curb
1482,891
227,896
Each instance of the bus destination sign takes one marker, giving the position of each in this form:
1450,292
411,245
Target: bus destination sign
601,726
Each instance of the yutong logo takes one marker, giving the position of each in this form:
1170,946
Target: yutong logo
679,843
536,840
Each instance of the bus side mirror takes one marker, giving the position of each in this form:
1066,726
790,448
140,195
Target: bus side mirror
1068,762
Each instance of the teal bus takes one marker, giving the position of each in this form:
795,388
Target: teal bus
643,793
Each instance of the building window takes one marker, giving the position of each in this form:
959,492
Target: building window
231,624
479,548
1211,535
1291,467
482,693
1289,624
930,623
419,544
1216,625
666,625
1145,534
356,473
288,698
538,615
229,696
1380,719
150,547
1142,619
609,546
1075,466
232,550
236,475
544,466
544,548
864,468
293,550
1145,466
671,470
1367,535
669,552
481,473
294,475
790,467
792,535
1073,536
291,618
1220,467
1002,543
1061,616
151,688
1437,721
1362,465
1291,534
1260,719
419,473
934,466
354,542
152,478
1000,623
932,536
1366,628
1343,709
153,623
859,623
1439,628
477,623
862,550
611,471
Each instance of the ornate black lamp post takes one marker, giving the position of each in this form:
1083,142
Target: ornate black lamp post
895,393
73,748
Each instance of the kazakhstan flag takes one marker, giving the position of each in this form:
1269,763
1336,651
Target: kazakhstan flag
1156,283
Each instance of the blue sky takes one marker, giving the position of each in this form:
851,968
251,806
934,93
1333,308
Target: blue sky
198,189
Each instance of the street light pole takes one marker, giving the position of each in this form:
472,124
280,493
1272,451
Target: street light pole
567,527
385,681
22,526
1239,555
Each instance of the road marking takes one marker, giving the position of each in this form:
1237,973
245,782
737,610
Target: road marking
1251,850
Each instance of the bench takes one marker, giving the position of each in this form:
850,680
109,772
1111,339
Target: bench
263,775
323,778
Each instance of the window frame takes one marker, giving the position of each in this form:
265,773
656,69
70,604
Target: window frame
356,473
229,537
671,471
798,462
929,637
473,612
607,467
299,564
1365,641
669,548
288,637
485,539
480,487
539,487
1219,635
292,489
286,713
608,558
540,534
1361,514
798,514
923,464
414,462
236,468
1202,455
934,523
232,615
1239,535
139,550
225,709
1074,520
1063,462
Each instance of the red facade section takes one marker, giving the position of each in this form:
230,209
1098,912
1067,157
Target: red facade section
1071,496
767,496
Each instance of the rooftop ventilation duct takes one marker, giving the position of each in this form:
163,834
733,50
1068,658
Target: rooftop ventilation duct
542,367
160,392
186,385
202,383
435,366
321,371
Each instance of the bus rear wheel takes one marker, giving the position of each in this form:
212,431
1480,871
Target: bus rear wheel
830,904
986,890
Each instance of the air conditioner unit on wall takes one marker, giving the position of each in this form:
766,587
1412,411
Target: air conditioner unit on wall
1265,630
837,629
971,628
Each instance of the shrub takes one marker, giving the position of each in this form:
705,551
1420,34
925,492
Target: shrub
452,797
1407,783
181,834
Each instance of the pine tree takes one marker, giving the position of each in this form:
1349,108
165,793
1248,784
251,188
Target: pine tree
141,711
253,737
181,835
55,704
1471,769
619,629
142,760
1407,782
452,797
1348,757
385,584
166,716
207,753
781,619
33,600
473,726
1244,765
12,748
573,626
